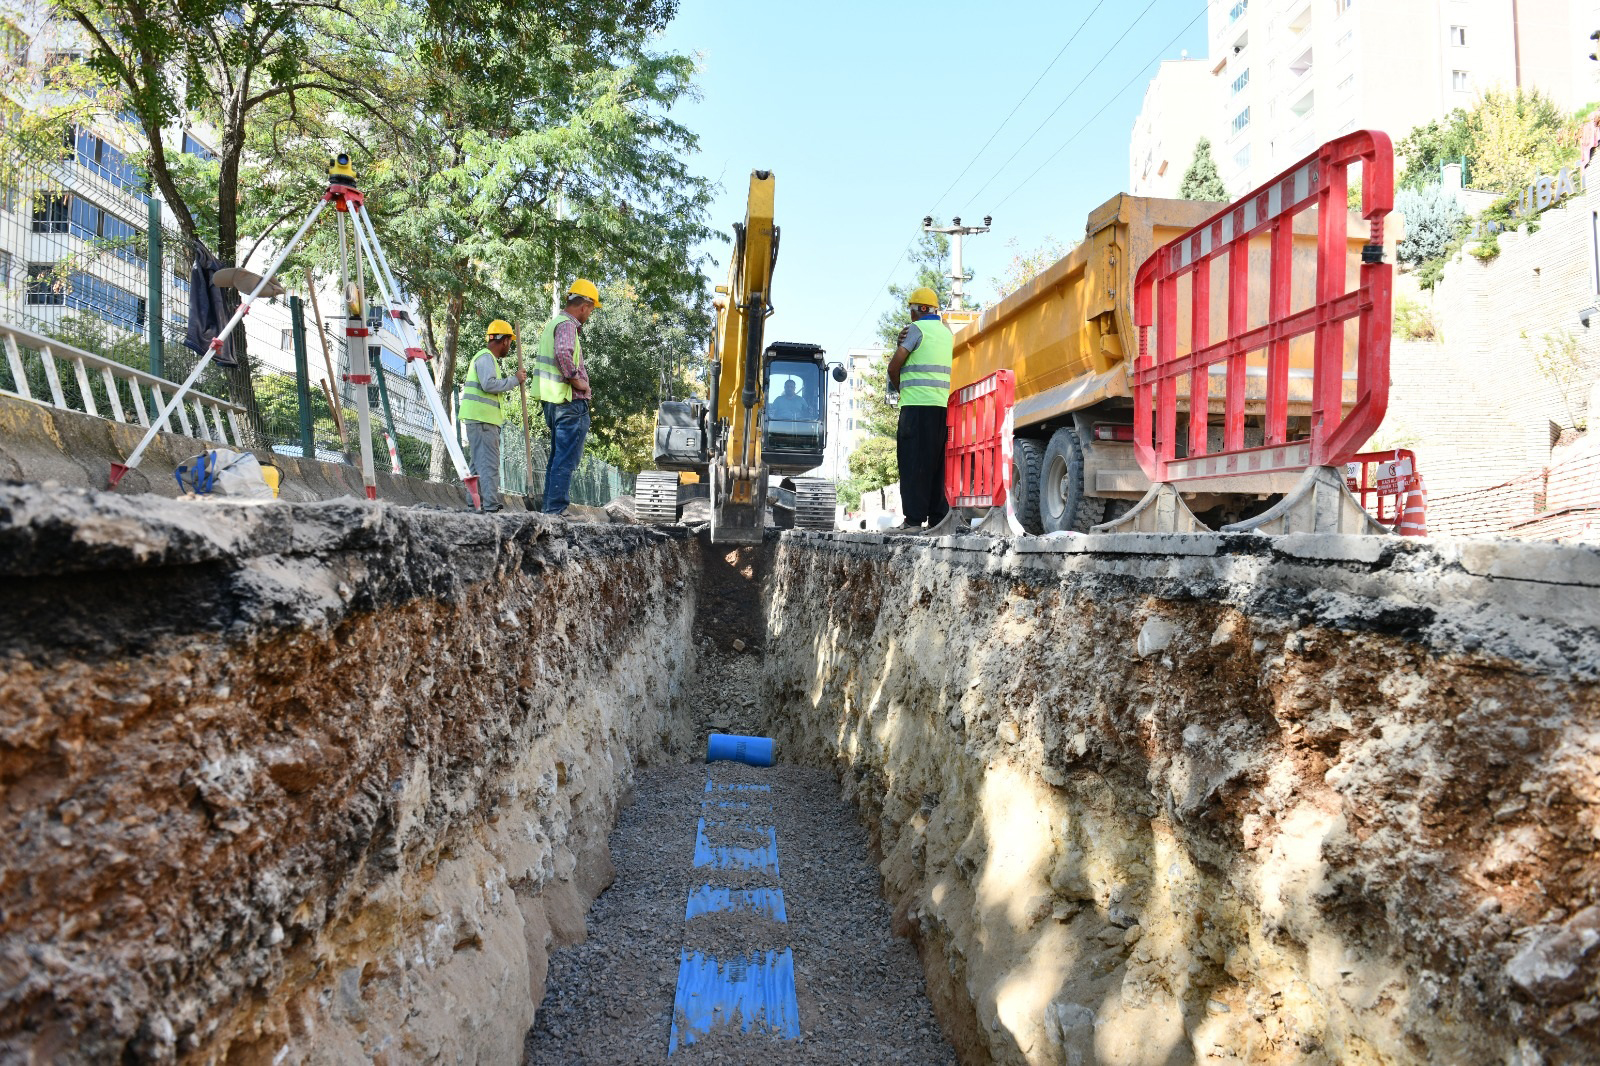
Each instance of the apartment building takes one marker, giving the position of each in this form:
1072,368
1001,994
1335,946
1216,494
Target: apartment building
1181,105
1296,73
846,405
74,237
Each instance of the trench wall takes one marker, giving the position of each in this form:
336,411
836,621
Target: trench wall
312,782
1184,799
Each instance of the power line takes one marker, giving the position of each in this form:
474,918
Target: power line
1113,98
884,284
1104,55
1019,103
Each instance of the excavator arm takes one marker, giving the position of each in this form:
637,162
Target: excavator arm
738,471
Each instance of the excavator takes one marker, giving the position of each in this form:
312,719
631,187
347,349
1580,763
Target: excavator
764,413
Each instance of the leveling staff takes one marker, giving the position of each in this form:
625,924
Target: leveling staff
483,412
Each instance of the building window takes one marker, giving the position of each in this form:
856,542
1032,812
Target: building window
13,44
1237,11
51,212
195,148
1241,120
42,287
5,268
90,222
1458,81
1241,81
95,155
1344,42
1241,158
1346,85
1458,36
1341,6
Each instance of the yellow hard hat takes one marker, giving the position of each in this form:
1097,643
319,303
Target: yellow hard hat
585,288
499,328
924,296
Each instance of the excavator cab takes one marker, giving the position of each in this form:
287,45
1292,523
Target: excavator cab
794,417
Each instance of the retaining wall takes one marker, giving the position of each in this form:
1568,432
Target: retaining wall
305,783
1176,799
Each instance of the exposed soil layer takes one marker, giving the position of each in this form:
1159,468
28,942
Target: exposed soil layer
1285,800
860,990
310,783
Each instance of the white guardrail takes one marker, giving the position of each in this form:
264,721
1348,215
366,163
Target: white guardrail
200,415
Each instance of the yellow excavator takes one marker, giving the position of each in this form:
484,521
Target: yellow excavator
764,412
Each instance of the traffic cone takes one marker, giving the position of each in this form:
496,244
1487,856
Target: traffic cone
1414,518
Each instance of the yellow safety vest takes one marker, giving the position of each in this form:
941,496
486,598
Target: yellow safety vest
925,377
553,388
477,405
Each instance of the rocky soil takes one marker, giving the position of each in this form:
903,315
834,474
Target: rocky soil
1210,800
312,783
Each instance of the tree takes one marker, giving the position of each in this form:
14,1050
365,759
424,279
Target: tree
1507,138
1202,181
1433,220
1431,145
1025,266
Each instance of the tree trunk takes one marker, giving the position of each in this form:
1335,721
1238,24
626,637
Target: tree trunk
447,377
241,383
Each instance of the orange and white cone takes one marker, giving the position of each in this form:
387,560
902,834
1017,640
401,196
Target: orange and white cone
1414,518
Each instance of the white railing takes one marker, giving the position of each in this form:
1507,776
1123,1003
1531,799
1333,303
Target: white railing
201,416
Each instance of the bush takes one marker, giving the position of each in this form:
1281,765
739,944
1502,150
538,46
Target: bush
1433,219
1413,322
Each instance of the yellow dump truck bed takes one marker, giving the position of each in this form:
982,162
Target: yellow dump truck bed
1068,333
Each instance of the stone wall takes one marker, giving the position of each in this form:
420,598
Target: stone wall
1159,800
313,782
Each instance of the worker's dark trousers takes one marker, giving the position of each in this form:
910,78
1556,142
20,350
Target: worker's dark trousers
919,445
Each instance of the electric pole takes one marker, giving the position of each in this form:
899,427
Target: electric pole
955,231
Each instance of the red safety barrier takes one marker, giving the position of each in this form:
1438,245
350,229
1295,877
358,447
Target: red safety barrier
1184,268
1390,489
977,450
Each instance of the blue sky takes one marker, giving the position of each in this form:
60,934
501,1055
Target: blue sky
867,113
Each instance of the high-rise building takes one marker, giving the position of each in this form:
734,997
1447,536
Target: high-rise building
846,403
1180,107
1297,73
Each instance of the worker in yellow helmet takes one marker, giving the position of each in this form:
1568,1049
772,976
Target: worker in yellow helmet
564,390
920,370
483,411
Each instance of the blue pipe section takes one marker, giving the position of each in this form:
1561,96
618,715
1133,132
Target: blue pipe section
758,990
752,751
709,899
734,857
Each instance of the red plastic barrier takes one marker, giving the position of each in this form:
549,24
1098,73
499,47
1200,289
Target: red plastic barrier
1389,486
1319,181
977,450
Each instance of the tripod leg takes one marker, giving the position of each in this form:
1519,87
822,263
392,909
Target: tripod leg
368,237
132,462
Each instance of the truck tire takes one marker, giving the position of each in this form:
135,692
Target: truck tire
1027,459
1063,504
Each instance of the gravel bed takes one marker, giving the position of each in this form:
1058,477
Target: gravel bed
860,989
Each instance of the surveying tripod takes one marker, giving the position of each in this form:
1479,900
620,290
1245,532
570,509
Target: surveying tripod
346,200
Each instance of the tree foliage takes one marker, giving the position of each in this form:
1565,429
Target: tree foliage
1507,137
504,149
1024,266
1433,220
1202,181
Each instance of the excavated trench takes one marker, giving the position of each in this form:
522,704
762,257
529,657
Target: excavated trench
340,782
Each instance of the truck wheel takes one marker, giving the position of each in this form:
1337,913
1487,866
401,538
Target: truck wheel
1027,458
1063,504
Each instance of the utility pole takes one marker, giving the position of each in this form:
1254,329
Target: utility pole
955,231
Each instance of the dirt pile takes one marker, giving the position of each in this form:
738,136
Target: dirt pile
1169,799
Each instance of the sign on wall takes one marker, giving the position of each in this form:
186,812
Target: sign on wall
1542,194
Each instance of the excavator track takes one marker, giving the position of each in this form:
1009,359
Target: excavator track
814,503
655,497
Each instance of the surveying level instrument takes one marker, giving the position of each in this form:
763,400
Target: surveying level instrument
347,200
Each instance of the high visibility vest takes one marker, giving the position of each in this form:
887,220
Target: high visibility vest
477,405
925,377
553,388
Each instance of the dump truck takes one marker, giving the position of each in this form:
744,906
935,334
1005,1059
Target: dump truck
764,414
1069,336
